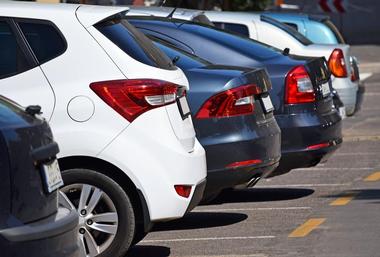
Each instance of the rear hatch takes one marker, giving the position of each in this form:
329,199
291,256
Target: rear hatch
27,139
137,58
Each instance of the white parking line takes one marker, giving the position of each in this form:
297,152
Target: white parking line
357,154
304,185
207,239
334,168
254,209
366,75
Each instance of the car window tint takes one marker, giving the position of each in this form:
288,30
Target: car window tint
233,27
12,58
44,39
291,31
134,43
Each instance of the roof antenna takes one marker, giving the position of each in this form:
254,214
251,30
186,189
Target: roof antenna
286,51
173,11
163,3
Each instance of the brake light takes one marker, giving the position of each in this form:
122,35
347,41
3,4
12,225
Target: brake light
132,97
183,190
299,88
353,75
232,102
243,163
337,64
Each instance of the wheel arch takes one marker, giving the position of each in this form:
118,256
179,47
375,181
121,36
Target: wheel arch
136,196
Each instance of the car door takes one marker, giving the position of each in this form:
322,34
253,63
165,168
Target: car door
21,78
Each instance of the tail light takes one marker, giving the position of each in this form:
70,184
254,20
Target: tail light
132,97
318,146
232,102
337,64
183,190
299,88
353,75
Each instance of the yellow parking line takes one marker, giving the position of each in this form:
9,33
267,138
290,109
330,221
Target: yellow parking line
344,199
373,177
307,227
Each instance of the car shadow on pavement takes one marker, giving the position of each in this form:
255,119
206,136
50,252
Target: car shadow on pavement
148,251
261,195
197,220
359,194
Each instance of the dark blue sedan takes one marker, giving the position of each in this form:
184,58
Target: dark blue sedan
304,110
233,118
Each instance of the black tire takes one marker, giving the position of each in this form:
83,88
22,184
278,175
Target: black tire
126,220
139,235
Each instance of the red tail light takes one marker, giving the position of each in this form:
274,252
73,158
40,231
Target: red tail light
183,190
337,64
353,75
132,97
232,102
318,146
299,88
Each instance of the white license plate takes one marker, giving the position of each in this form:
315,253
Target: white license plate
325,89
267,102
52,176
185,109
342,112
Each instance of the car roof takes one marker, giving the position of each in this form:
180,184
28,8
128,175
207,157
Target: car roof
87,14
299,16
180,13
242,16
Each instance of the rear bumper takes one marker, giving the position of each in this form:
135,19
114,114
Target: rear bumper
234,140
55,236
228,178
300,131
347,91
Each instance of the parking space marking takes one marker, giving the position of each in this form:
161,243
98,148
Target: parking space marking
373,177
357,154
305,185
307,227
336,168
206,239
341,201
255,209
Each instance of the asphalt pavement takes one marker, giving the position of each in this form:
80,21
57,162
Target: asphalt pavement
331,210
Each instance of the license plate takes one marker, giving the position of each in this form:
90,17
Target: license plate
325,89
184,107
52,176
267,103
342,112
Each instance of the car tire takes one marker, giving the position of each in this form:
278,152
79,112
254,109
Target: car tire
77,183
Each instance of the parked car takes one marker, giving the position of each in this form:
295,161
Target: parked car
31,223
272,32
233,120
310,125
129,155
319,29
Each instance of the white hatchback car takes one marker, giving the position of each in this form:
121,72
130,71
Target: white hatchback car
272,32
117,107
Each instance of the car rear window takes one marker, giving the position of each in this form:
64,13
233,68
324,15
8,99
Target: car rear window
184,60
133,42
233,27
335,30
12,59
44,38
291,31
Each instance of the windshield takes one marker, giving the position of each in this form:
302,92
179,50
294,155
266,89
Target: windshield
133,42
291,31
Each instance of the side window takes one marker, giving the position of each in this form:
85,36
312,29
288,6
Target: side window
233,27
293,25
13,59
44,39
